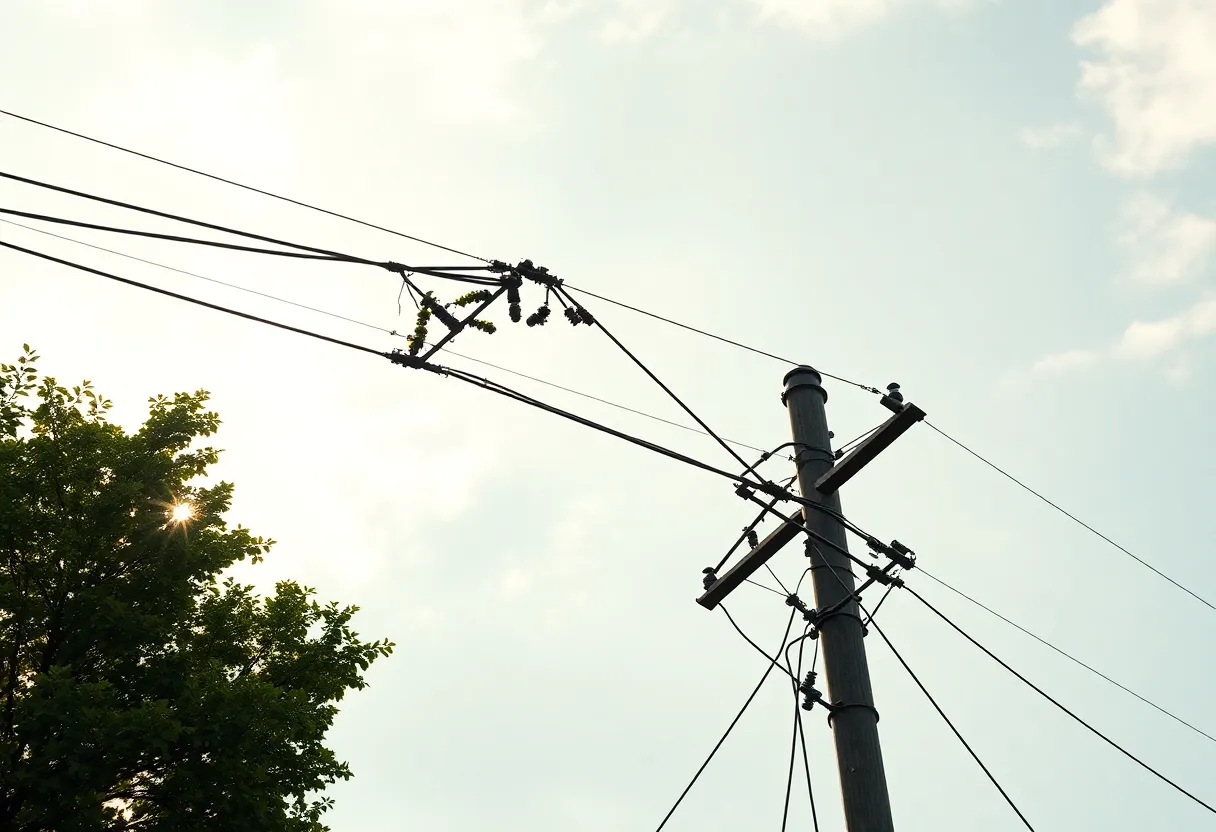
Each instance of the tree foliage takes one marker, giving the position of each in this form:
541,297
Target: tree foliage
139,688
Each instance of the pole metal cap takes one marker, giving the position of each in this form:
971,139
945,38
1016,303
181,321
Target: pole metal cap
803,376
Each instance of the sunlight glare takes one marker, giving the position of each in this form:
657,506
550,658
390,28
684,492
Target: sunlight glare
181,512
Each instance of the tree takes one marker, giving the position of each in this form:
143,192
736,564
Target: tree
139,688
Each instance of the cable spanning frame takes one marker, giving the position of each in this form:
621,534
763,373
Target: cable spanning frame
178,239
1059,705
723,339
743,346
348,218
799,730
988,773
270,194
1075,519
196,301
731,727
870,617
1066,655
382,329
412,361
600,324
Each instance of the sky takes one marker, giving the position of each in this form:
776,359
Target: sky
1003,205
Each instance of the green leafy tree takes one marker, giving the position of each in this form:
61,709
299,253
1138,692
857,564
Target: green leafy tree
139,690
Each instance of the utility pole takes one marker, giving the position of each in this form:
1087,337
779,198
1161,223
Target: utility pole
854,720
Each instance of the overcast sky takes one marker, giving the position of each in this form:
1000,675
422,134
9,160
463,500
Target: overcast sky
1005,206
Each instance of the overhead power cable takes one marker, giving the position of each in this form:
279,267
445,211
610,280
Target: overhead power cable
421,240
1074,518
745,484
177,239
239,185
799,730
599,323
335,255
448,372
218,282
247,316
1069,656
746,638
1059,705
721,338
385,330
729,728
925,691
991,777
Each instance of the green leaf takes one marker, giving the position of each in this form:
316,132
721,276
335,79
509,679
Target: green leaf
219,697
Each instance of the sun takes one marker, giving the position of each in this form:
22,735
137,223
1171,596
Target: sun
181,512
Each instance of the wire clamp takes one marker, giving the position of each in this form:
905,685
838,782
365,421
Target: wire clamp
406,360
808,613
883,576
537,274
898,552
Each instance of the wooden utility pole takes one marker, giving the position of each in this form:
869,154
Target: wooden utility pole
863,782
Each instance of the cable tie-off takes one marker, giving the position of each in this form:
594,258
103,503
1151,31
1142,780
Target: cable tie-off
406,360
808,614
898,552
882,576
837,707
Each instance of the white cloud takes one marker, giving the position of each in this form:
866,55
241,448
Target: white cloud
1155,74
1053,135
1153,339
1162,340
1166,246
1143,340
831,18
1065,362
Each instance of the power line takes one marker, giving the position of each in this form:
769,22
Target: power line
494,387
238,287
176,239
398,358
239,185
800,733
721,338
847,446
1057,703
599,323
195,301
336,255
385,330
178,218
729,728
948,722
925,691
598,399
746,638
1066,655
1073,517
421,240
